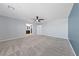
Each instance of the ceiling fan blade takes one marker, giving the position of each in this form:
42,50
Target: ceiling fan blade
36,17
41,19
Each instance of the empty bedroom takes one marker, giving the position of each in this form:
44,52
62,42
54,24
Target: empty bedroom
39,29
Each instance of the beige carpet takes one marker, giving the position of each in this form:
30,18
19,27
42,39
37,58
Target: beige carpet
38,45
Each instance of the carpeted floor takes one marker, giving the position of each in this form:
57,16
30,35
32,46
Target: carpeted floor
38,45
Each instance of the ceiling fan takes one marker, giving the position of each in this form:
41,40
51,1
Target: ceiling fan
37,19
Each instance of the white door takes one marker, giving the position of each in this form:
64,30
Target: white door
39,29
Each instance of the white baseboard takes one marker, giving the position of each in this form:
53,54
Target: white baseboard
22,36
12,38
71,47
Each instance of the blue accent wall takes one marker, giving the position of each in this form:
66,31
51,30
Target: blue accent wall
73,28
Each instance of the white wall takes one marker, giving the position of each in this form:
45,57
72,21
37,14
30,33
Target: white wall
10,28
50,12
57,28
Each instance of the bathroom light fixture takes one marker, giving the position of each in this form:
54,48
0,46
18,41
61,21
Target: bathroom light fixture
28,24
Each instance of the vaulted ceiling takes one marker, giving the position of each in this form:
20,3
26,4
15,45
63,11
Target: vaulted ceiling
28,11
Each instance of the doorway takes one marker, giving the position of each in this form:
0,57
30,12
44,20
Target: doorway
28,28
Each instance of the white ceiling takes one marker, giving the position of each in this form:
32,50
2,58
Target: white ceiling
27,11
